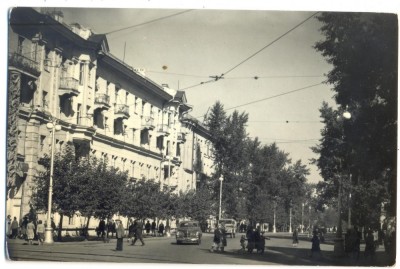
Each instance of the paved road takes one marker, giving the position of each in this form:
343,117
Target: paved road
279,251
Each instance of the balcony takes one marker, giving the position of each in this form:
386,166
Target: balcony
102,101
68,86
181,138
163,129
121,111
148,123
24,64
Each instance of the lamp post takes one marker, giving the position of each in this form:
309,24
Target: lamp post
274,229
290,217
309,220
338,248
221,178
302,214
48,239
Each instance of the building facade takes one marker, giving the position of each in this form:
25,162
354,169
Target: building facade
106,108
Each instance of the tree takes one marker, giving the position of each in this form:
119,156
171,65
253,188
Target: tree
85,185
362,48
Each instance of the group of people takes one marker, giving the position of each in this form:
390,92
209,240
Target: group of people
135,231
219,240
28,229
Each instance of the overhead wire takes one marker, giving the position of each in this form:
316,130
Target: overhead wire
147,22
277,95
222,76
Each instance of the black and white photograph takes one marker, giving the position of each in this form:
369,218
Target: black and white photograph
193,135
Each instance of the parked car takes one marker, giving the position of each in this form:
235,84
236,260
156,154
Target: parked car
229,225
188,232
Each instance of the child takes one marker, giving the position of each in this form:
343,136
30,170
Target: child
243,242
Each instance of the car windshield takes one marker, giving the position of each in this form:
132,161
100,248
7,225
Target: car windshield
188,224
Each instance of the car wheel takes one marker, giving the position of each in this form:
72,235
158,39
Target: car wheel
178,242
199,241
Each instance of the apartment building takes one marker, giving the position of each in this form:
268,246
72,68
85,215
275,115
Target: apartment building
67,74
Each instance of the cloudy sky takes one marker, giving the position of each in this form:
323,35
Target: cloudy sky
185,45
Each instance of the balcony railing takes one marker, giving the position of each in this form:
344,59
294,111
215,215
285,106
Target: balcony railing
24,63
102,99
121,110
148,123
163,129
69,85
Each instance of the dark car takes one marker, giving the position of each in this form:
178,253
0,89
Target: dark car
188,232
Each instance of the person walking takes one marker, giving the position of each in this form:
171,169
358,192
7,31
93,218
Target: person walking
24,224
138,230
315,246
216,239
161,229
119,233
40,232
295,237
147,227
8,226
14,228
131,232
102,228
369,245
250,235
153,228
30,231
223,243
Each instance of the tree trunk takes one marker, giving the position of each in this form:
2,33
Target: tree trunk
86,232
59,237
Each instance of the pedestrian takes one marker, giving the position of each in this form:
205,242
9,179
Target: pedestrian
8,226
355,241
216,239
23,226
223,242
369,245
14,228
251,240
147,227
54,227
131,232
295,238
40,232
102,228
138,230
153,228
113,228
161,229
315,246
30,231
119,233
243,243
109,227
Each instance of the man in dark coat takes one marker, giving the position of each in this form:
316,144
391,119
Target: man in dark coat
102,228
147,227
161,229
138,230
153,228
119,234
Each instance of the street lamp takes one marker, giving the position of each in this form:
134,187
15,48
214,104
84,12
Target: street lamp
221,178
290,217
338,248
49,230
274,228
302,214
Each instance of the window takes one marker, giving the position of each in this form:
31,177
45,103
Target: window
143,104
78,114
44,99
116,94
47,60
81,73
42,140
20,44
160,142
126,98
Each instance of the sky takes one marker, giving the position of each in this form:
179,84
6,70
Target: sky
233,37
184,50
